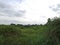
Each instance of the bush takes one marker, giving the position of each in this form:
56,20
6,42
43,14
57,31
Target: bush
54,31
9,35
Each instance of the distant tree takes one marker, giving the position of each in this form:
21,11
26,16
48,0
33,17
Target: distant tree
41,25
12,24
19,24
48,21
27,25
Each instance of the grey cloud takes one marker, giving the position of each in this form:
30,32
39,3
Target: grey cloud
8,10
12,1
56,9
20,1
9,22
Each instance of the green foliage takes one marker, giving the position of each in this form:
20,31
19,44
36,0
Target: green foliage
9,35
54,31
22,35
48,34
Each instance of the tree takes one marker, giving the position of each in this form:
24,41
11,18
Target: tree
48,21
54,31
12,24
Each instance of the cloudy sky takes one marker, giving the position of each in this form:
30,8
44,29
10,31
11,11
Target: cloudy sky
28,11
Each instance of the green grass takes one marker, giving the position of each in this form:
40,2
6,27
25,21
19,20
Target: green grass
30,35
15,35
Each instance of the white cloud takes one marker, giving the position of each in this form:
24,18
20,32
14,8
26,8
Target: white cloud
37,11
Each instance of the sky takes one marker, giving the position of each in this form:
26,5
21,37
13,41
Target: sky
28,11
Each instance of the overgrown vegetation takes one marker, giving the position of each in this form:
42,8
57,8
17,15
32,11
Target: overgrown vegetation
54,31
48,34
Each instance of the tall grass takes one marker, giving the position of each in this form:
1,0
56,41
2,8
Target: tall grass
48,34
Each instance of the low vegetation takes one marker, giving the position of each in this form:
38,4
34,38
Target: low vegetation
48,34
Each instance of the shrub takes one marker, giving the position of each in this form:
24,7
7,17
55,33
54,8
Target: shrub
9,35
54,31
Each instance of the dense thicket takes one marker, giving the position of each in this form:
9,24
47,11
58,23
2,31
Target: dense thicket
54,31
9,35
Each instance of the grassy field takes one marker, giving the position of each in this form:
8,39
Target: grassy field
48,34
